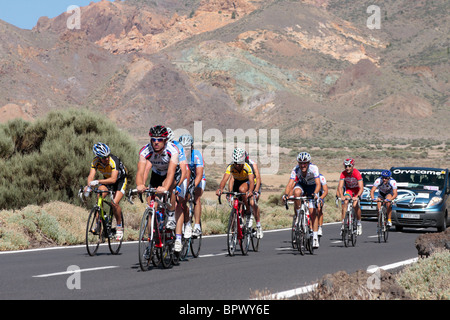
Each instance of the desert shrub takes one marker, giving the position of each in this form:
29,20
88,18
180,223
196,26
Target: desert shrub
50,158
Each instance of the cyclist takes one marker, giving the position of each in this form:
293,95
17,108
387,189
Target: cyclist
197,180
181,174
256,192
352,180
322,194
387,190
305,181
115,174
162,157
244,181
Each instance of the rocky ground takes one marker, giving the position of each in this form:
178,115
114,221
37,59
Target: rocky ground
343,286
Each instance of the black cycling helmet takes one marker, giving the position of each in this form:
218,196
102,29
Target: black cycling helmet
158,131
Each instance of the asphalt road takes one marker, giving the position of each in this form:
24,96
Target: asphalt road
213,276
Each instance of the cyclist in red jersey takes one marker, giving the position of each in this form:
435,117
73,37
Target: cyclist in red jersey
352,180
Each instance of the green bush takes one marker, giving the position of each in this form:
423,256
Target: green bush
50,158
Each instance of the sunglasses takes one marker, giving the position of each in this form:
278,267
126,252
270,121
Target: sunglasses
158,139
387,178
348,166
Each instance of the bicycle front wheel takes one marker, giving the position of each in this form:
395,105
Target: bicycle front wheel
196,243
294,232
113,243
346,232
232,232
146,249
94,229
385,226
245,241
353,228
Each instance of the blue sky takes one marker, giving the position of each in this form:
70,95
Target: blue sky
25,13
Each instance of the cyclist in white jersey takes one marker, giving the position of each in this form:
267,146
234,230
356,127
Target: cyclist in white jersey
162,157
387,190
305,181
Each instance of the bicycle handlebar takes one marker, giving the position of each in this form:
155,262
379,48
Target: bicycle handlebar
296,198
234,194
149,192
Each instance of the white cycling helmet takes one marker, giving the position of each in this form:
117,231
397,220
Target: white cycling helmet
238,156
304,157
101,150
186,140
170,136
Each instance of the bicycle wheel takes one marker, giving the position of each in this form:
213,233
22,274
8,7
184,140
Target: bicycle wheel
346,230
94,229
168,239
185,249
255,240
294,231
380,225
353,228
196,244
300,235
146,249
114,244
385,226
232,232
245,241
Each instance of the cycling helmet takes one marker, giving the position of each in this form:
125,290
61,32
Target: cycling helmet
186,140
386,174
101,150
349,162
171,135
304,157
238,156
158,131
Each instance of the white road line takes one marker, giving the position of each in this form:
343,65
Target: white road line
73,271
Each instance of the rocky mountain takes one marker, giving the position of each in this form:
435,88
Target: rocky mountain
310,68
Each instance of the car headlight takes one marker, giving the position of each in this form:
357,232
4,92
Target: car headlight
434,201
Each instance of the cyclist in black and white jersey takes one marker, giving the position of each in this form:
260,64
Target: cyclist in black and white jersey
387,190
162,157
305,181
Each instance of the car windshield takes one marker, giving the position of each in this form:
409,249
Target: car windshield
420,179
369,177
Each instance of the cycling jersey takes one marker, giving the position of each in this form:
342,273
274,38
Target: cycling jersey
114,163
195,161
385,188
351,181
240,175
160,161
310,177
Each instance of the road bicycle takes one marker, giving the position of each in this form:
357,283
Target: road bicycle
301,232
100,224
382,227
253,234
349,230
237,231
194,243
156,242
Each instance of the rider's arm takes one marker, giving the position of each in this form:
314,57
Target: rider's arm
340,189
110,180
184,172
258,177
318,185
289,187
91,176
325,191
140,182
372,192
225,178
251,183
361,187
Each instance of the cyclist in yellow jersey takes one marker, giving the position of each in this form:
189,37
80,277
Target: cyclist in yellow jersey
244,181
115,174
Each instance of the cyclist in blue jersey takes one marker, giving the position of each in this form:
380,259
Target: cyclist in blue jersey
387,190
196,178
